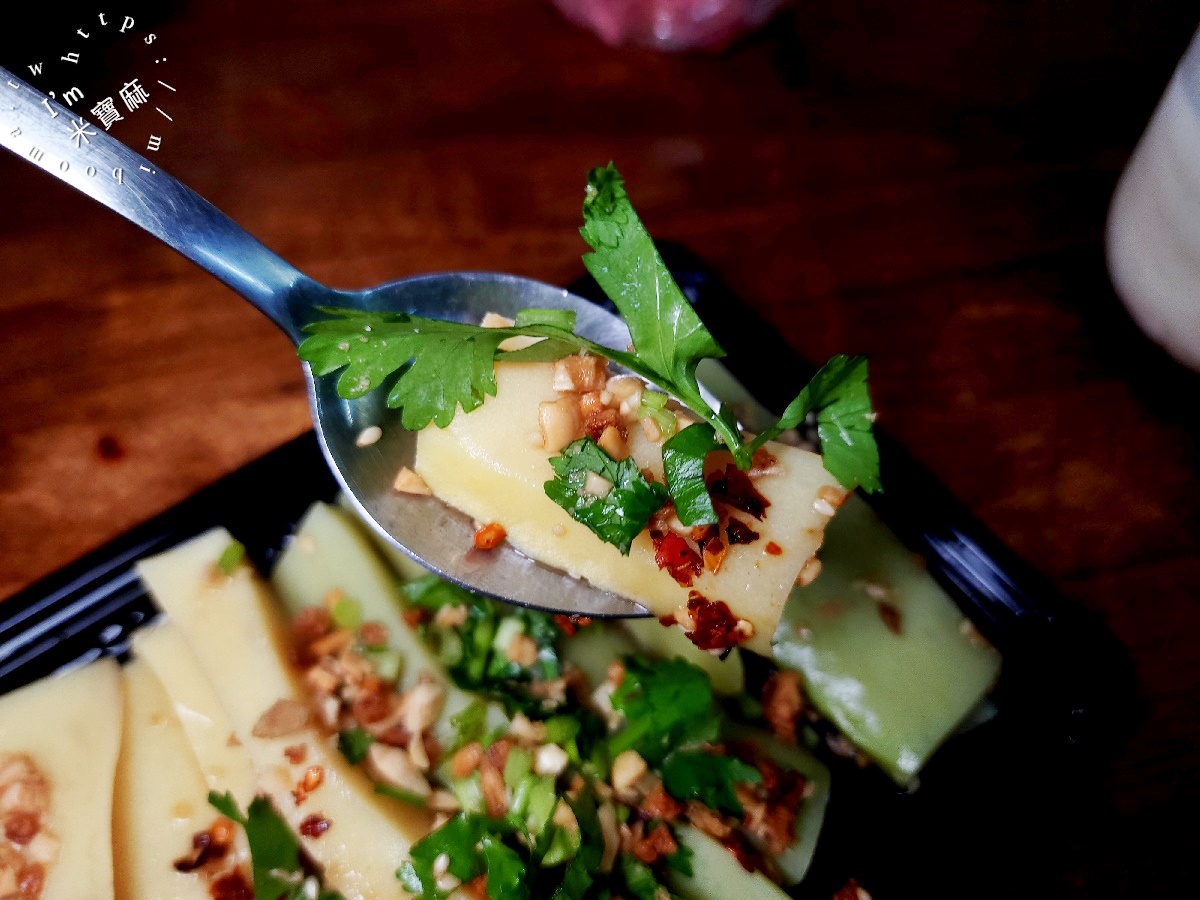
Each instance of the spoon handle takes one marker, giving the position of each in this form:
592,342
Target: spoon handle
81,154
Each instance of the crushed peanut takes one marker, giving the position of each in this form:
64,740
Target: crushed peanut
285,717
409,482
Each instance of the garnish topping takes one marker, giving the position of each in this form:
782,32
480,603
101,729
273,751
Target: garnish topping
434,368
281,870
616,516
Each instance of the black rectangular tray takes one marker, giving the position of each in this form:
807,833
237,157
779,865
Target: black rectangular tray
999,808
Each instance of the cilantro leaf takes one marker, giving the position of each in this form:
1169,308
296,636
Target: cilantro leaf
693,775
681,861
442,365
618,516
683,462
354,744
667,334
505,870
458,838
277,862
670,339
667,703
640,880
838,393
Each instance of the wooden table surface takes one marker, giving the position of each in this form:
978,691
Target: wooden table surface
924,183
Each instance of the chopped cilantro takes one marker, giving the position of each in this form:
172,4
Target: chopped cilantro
276,860
469,724
505,870
640,880
681,861
618,516
231,557
668,703
693,775
354,744
683,463
479,659
458,839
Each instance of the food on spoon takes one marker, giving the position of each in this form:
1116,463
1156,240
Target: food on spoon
672,487
59,740
726,583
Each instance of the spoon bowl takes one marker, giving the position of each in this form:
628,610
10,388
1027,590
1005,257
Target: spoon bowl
67,146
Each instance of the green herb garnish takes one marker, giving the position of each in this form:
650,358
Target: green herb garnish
354,744
475,652
276,860
668,703
231,557
670,341
439,367
683,464
695,775
617,516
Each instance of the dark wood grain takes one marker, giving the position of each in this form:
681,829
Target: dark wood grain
926,183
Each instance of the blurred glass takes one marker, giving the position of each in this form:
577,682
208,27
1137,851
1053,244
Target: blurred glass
670,24
1154,224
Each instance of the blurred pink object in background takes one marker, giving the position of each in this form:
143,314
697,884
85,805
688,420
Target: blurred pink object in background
669,24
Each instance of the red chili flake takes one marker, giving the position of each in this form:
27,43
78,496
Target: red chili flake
676,556
204,849
715,626
415,616
370,706
314,826
233,886
668,621
373,634
21,825
891,617
738,532
714,551
773,548
571,624
734,488
296,753
490,536
309,625
31,880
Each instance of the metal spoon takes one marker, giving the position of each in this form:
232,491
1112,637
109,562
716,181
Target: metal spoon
63,143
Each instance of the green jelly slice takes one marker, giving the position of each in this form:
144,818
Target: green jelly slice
885,654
